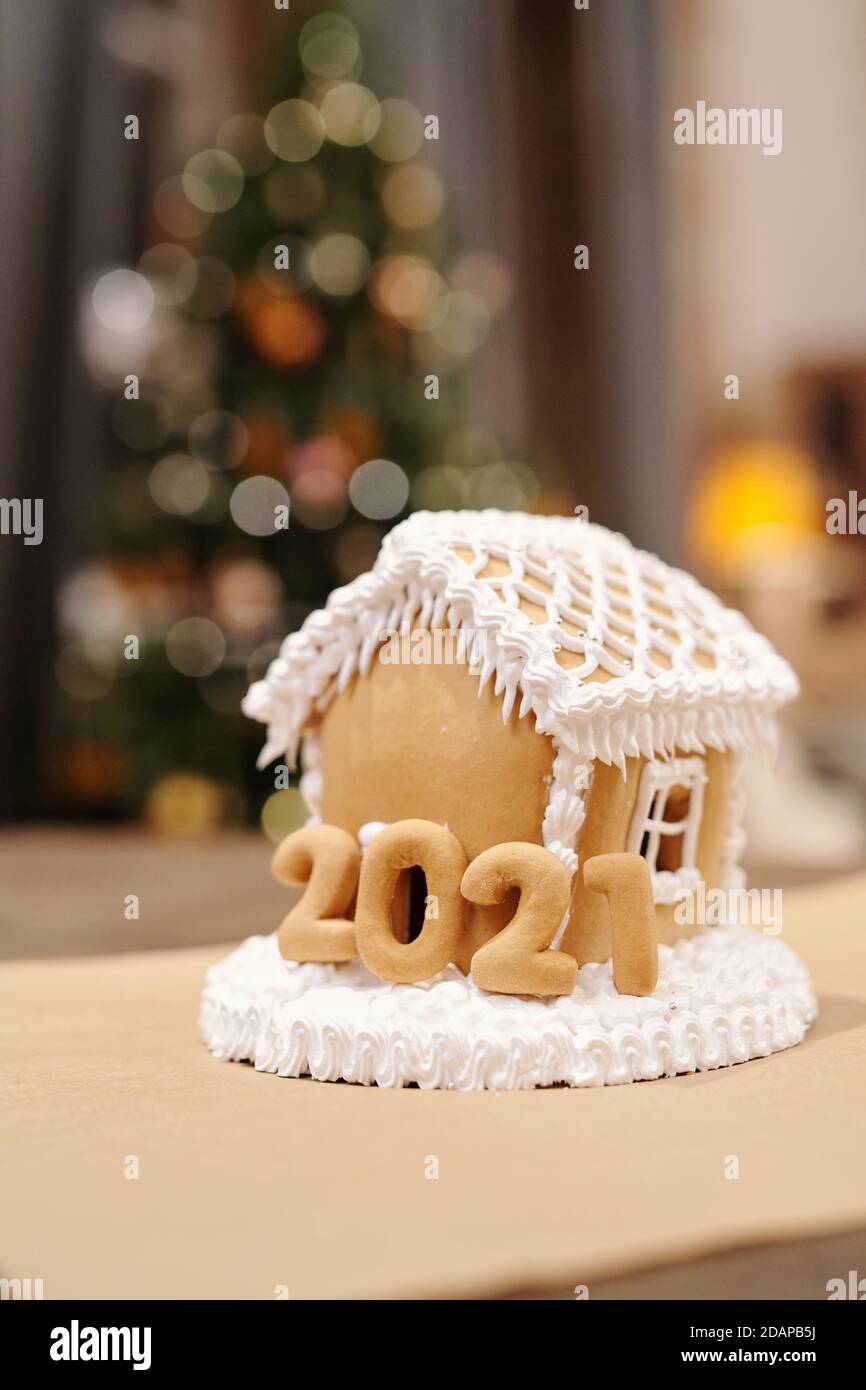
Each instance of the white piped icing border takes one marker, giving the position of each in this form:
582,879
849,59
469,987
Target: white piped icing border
566,806
724,996
592,577
731,873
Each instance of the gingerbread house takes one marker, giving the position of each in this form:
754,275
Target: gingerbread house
593,700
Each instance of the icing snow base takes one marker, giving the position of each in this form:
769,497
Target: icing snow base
726,995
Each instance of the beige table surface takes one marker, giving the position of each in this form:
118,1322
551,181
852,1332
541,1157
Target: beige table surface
249,1182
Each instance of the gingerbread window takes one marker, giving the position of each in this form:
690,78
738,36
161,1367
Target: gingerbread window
666,824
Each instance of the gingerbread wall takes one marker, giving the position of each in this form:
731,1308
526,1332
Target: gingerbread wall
409,741
605,830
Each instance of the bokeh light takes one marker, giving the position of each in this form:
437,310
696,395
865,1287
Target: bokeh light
85,669
408,289
754,500
379,489
464,325
195,646
171,272
439,488
469,446
93,604
122,300
508,486
412,196
246,595
288,331
339,264
324,453
283,812
350,114
185,804
113,356
294,130
330,47
213,180
175,212
319,499
400,131
256,505
179,484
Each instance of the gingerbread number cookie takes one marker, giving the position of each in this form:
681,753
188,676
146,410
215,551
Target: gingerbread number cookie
625,881
326,859
516,960
440,854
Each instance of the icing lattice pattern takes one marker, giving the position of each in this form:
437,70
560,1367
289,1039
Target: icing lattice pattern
614,652
599,619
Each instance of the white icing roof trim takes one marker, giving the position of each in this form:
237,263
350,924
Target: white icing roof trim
622,611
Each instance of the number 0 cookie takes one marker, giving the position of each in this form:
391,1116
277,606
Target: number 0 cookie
440,854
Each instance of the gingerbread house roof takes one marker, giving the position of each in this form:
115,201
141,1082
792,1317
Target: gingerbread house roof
613,652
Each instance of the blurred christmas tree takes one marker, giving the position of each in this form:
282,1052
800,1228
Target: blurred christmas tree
291,346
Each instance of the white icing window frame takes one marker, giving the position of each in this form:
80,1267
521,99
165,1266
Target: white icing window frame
656,781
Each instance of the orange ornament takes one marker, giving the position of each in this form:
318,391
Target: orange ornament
288,332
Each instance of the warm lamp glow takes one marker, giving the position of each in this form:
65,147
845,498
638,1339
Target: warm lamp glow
753,501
